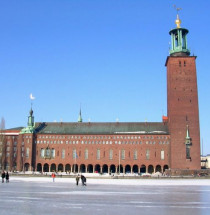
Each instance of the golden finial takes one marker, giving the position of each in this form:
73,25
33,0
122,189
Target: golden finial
177,21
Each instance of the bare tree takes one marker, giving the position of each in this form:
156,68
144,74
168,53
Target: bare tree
2,145
2,124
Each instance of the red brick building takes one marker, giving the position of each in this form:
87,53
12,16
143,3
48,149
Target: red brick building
117,147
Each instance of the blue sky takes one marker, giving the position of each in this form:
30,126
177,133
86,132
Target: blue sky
109,56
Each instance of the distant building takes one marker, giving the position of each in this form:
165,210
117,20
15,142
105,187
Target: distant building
117,147
205,162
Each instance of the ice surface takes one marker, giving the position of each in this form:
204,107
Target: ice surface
40,195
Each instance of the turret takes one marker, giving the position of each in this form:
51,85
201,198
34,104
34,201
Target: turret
179,40
30,128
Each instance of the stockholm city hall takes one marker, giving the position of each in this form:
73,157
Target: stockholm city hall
134,147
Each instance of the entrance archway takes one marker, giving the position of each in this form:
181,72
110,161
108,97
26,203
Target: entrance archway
39,167
105,168
68,168
97,168
82,168
143,169
120,170
127,169
150,169
26,167
90,168
135,169
53,167
46,167
112,168
165,167
158,168
75,168
60,167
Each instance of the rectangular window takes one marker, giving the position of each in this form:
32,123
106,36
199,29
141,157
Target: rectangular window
52,153
47,153
110,154
98,154
123,154
63,154
42,153
162,155
8,148
27,152
75,154
188,152
135,155
147,154
86,154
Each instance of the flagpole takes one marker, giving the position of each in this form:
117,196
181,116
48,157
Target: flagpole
75,160
119,162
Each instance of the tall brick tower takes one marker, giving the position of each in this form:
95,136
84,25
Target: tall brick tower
182,102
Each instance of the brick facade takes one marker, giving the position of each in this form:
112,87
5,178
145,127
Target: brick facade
142,153
182,102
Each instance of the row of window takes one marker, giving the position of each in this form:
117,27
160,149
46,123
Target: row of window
99,142
26,153
50,153
103,137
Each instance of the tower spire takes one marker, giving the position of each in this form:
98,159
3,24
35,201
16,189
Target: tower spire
177,21
80,115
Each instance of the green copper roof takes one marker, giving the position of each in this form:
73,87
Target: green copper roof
80,116
30,128
14,129
179,42
102,128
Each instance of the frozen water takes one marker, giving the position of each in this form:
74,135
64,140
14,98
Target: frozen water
39,195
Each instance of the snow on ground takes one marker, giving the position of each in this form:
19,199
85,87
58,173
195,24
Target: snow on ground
145,182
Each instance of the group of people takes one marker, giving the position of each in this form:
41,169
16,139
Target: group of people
5,175
83,179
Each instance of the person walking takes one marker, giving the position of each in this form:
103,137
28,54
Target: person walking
3,176
53,176
83,180
77,179
7,177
